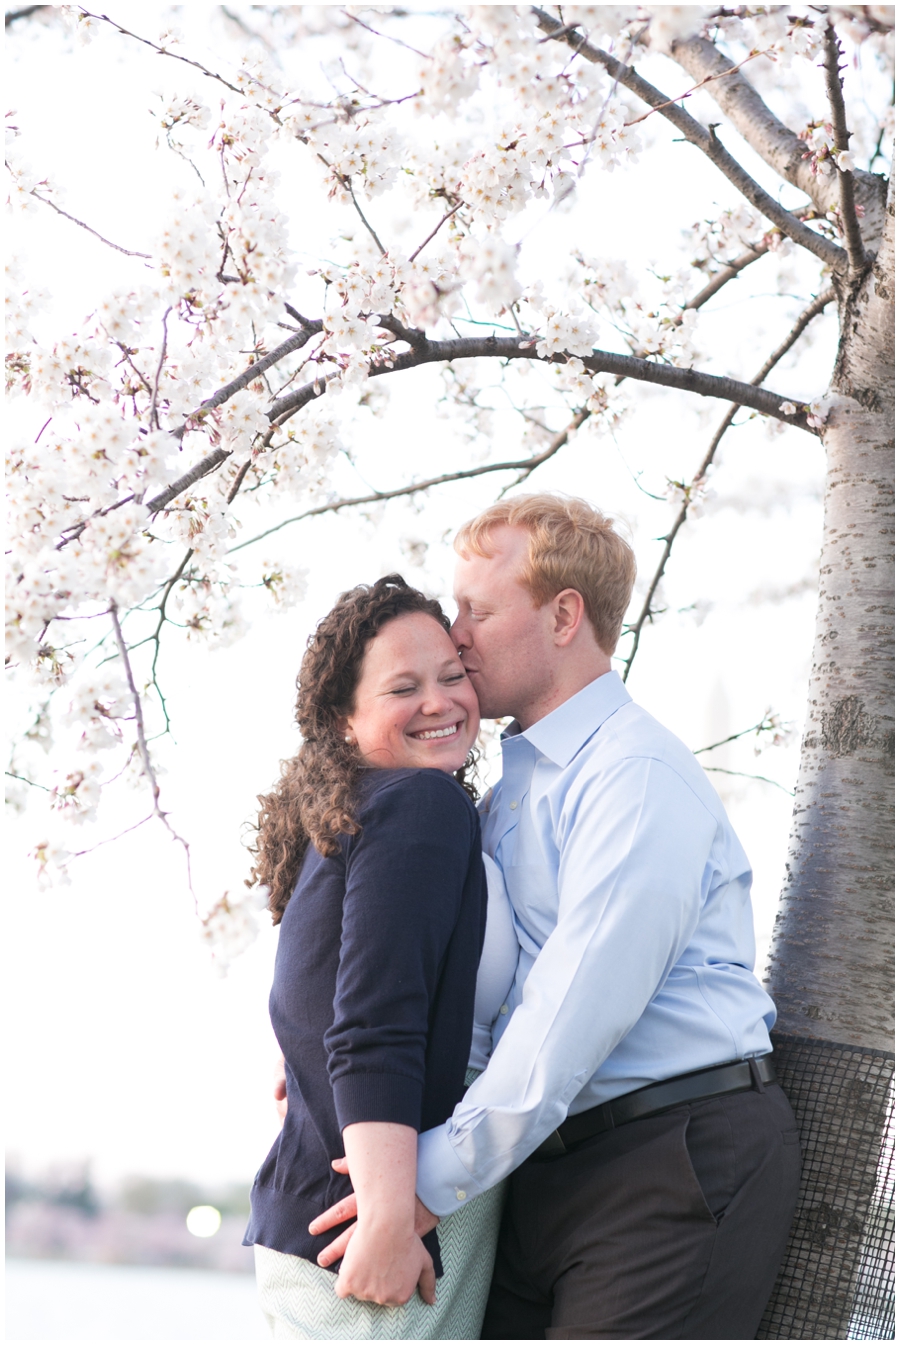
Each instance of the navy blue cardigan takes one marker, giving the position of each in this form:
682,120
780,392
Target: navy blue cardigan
372,1001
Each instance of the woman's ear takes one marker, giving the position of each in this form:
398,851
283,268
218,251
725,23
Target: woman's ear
345,730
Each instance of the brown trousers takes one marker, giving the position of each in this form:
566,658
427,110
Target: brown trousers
670,1228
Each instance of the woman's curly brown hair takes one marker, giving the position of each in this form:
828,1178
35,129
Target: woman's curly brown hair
314,799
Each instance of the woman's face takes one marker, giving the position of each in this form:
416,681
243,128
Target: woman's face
414,705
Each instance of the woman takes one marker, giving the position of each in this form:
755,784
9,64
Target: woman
375,977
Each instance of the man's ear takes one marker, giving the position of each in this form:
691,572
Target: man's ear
568,614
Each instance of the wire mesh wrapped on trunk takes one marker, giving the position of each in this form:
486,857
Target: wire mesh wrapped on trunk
837,1278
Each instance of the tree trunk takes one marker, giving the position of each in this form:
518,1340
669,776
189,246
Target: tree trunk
831,968
831,964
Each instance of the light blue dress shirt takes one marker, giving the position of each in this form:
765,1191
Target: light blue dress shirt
631,898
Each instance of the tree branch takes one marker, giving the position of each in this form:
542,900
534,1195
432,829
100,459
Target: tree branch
424,352
646,612
253,371
775,143
599,361
704,140
525,465
722,277
732,269
203,468
834,85
24,13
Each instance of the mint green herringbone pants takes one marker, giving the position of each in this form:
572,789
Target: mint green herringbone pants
299,1302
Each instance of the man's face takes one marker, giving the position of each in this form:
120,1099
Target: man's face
505,641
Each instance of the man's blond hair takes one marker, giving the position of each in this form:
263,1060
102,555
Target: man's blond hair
571,545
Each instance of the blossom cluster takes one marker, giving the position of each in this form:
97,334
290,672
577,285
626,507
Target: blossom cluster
432,186
231,925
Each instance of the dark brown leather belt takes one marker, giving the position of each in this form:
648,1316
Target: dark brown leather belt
737,1077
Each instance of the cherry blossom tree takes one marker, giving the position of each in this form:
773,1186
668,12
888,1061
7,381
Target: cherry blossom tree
208,389
214,395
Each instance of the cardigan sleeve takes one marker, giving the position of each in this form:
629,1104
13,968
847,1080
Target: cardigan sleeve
406,874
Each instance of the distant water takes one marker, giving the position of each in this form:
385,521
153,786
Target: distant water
68,1300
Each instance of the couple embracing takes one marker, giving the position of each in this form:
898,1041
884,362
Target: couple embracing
528,1071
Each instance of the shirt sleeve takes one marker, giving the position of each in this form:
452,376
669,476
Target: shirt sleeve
406,873
634,846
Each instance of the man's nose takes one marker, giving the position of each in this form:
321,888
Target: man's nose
460,635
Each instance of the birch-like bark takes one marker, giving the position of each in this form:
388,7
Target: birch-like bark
831,969
776,144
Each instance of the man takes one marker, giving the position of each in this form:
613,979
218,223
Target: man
631,1095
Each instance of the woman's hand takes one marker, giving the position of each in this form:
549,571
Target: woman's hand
280,1089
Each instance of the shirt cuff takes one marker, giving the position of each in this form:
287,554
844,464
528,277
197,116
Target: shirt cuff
443,1182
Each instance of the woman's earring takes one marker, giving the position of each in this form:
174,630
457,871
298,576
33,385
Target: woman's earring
348,738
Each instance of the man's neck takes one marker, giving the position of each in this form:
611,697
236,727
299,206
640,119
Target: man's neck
562,690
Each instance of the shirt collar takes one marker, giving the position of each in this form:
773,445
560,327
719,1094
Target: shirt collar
560,734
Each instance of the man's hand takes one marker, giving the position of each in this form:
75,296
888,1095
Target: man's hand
280,1089
346,1209
379,1268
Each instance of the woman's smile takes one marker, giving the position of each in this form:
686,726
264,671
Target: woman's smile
423,735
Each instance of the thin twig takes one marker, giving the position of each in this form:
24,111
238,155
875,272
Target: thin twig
437,228
719,74
81,224
834,84
153,417
524,465
176,56
389,38
722,277
733,737
345,181
91,848
646,612
155,637
745,775
24,778
143,750
705,140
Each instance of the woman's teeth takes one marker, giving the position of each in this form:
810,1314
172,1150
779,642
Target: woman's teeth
438,733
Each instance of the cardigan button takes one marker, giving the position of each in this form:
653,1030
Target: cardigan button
504,1008
514,804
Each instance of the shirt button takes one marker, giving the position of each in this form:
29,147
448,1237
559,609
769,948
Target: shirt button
504,1008
514,804
460,1195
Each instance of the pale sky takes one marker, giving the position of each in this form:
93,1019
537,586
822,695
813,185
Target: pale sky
124,1048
